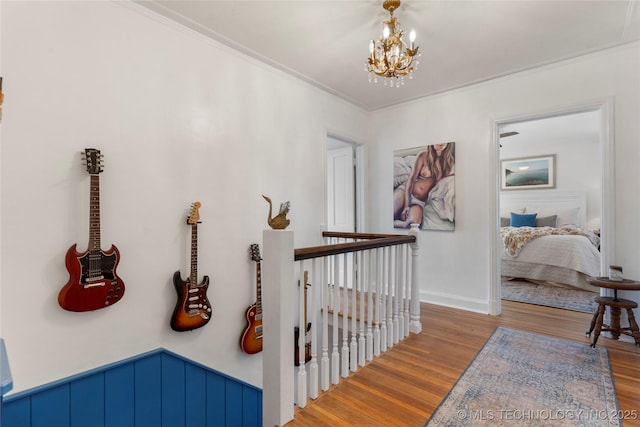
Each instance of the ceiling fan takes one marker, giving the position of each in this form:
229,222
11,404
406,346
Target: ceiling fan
506,134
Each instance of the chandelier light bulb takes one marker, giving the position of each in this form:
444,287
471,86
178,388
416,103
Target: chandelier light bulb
395,51
385,32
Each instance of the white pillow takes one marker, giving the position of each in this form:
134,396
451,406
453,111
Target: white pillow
568,216
401,171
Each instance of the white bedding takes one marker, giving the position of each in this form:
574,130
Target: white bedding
438,213
565,259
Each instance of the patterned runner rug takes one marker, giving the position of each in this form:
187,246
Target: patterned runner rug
520,378
550,296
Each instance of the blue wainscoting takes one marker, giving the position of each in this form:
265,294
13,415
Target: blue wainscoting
155,389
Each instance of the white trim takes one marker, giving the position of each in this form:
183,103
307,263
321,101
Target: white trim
495,245
608,206
454,301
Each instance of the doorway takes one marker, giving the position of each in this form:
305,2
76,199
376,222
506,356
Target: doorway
344,196
343,185
518,139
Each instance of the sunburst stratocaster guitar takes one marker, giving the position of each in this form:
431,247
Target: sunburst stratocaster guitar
251,340
93,281
192,308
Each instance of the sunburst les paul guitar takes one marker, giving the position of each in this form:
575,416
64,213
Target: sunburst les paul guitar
93,281
251,340
307,330
193,309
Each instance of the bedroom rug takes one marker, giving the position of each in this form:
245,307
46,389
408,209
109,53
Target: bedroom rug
550,296
521,378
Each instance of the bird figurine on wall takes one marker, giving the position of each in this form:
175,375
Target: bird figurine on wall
280,221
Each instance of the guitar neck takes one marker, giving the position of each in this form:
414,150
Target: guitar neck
306,278
258,290
193,278
94,214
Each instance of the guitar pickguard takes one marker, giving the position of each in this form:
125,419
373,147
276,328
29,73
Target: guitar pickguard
106,265
93,281
192,309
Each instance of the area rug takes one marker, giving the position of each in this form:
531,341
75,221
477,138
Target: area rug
550,296
521,378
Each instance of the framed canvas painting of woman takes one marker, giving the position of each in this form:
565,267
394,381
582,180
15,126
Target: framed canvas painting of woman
424,187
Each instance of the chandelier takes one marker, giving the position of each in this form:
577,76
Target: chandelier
389,56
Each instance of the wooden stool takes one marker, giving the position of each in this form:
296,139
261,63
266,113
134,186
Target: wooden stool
616,304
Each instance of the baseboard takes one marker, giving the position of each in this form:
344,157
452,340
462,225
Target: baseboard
455,301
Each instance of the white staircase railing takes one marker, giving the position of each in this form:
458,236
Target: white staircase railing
352,299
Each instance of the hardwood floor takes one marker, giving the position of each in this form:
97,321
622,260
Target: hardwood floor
406,384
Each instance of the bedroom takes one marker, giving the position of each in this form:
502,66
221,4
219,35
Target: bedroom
565,207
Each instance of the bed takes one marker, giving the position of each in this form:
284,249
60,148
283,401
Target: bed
558,250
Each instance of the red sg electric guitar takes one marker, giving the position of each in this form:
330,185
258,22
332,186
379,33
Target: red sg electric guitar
251,340
93,281
192,308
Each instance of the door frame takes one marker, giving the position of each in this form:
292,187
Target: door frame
360,199
607,210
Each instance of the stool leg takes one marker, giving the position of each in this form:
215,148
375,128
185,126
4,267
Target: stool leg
598,327
633,326
615,322
593,321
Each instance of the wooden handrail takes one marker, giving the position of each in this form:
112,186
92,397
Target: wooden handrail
357,235
371,241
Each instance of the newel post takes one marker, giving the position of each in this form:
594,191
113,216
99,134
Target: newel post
414,309
277,321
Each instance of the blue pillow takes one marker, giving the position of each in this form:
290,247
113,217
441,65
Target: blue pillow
523,220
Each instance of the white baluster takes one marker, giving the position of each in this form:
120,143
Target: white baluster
401,279
370,282
301,399
353,345
331,283
324,297
407,287
415,325
363,285
376,328
313,309
390,296
344,357
383,302
335,356
396,295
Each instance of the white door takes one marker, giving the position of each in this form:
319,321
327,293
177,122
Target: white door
341,205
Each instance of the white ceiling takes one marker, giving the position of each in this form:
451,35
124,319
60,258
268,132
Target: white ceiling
326,42
566,128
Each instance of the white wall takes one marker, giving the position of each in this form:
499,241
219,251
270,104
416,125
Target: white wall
456,266
179,118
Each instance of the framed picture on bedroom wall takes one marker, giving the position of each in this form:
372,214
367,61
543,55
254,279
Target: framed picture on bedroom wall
424,187
528,173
